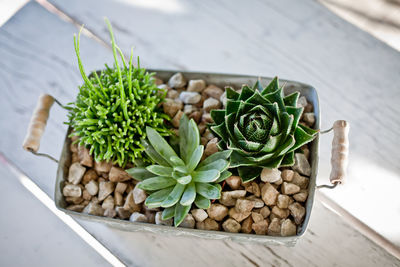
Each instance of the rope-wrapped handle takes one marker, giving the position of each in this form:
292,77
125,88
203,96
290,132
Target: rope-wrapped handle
38,123
340,151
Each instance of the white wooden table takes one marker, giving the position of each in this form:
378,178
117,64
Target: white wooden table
357,78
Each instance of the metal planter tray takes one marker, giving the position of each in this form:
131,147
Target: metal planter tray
220,80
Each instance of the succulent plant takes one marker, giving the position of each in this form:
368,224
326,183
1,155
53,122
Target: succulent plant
175,182
261,128
114,106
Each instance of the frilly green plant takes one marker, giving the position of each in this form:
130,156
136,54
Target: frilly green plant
114,106
179,179
261,128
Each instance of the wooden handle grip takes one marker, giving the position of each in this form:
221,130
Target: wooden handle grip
340,151
38,123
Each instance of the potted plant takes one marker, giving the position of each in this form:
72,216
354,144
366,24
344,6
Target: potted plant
187,153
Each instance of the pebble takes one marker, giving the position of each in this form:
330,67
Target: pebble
309,118
288,228
223,99
71,190
196,116
213,91
301,196
247,225
177,118
157,81
301,164
244,205
188,222
188,109
93,209
177,81
302,102
102,166
238,216
269,194
121,187
172,94
118,198
258,203
281,213
211,147
289,188
265,212
139,195
111,213
137,217
196,86
217,212
211,103
190,97
208,134
105,189
92,187
260,228
298,212
84,156
151,216
202,127
199,214
76,172
130,203
123,213
234,182
108,203
270,175
232,226
74,200
274,227
89,176
210,224
227,199
253,187
283,201
301,181
171,106
160,221
287,175
257,217
76,207
206,117
118,175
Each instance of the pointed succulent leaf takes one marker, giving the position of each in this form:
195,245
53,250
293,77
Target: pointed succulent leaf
168,213
189,195
160,170
195,159
301,137
174,196
153,154
202,202
218,115
216,156
189,138
249,173
139,173
155,199
157,183
205,176
272,86
177,161
246,92
288,160
180,213
296,112
291,100
160,145
232,94
223,176
184,179
220,165
208,191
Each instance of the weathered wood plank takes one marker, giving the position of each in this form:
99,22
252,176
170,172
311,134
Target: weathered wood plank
357,76
37,56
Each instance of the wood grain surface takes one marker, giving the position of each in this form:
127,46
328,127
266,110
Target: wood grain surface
357,77
36,51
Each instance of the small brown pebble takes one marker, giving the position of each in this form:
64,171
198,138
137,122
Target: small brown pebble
102,167
84,156
111,213
247,225
118,175
265,212
288,228
301,196
196,116
281,213
210,224
261,227
71,190
287,175
123,213
213,91
211,147
105,189
177,118
93,209
252,187
234,182
298,212
199,214
121,187
257,217
301,181
289,188
86,195
89,176
237,215
274,227
108,203
244,205
118,198
217,212
76,207
269,194
232,226
283,201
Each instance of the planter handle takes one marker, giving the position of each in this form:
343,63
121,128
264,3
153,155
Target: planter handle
37,125
340,152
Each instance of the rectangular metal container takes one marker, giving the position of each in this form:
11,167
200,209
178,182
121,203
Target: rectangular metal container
221,80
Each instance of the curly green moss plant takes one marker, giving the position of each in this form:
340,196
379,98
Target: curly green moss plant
261,128
114,106
175,182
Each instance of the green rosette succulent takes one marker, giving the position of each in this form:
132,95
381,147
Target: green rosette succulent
180,178
261,128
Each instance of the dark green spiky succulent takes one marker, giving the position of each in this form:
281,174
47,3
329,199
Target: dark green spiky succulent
261,127
175,182
114,107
